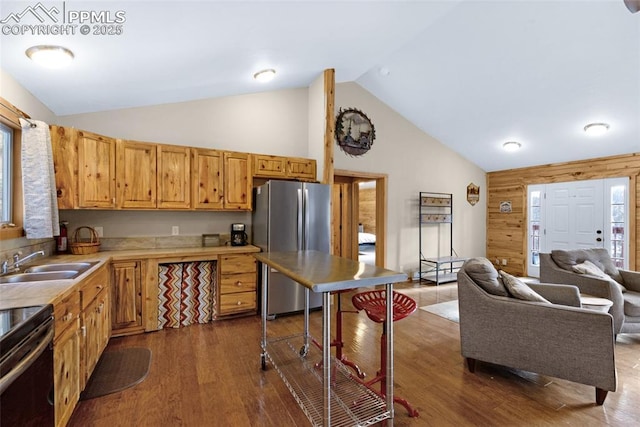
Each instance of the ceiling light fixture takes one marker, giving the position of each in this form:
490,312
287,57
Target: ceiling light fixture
596,129
511,145
50,56
265,75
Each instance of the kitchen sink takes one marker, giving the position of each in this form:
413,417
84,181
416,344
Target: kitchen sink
74,266
37,277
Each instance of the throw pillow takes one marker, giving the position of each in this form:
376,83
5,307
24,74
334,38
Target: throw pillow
518,289
485,275
587,267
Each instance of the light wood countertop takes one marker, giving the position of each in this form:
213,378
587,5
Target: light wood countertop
53,291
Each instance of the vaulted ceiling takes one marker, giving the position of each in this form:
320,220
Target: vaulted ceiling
471,73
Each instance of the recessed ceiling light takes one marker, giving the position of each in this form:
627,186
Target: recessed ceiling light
511,145
265,75
50,56
596,129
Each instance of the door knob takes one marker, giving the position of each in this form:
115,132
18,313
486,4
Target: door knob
598,239
598,231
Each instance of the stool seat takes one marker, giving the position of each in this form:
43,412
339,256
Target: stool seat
374,303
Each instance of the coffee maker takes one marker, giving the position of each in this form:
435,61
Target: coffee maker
238,235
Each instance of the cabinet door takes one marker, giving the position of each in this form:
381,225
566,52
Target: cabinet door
66,380
89,350
237,181
136,175
301,168
174,177
126,301
207,177
97,170
265,166
65,163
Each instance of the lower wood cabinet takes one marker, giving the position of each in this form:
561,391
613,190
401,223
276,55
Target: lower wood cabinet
237,285
66,357
127,297
95,321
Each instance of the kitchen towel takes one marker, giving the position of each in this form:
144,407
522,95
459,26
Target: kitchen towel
38,181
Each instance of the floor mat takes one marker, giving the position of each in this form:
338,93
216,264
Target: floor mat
448,310
117,370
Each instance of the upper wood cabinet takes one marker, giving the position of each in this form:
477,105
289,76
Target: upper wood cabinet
96,171
267,166
238,181
207,168
136,175
65,163
174,177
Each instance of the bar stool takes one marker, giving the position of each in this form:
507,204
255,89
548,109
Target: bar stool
337,341
374,303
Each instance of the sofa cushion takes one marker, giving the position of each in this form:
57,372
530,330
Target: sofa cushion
485,275
518,289
598,256
632,304
587,267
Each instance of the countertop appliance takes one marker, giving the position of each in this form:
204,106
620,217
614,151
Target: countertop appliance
238,235
26,366
291,216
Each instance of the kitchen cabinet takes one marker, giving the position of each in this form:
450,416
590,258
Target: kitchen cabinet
304,169
127,297
65,163
95,321
298,168
221,180
238,181
96,171
266,166
237,285
136,181
84,165
207,168
66,357
174,177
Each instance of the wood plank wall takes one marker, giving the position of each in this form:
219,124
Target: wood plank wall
367,210
507,232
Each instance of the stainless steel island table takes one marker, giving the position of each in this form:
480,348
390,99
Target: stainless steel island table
345,402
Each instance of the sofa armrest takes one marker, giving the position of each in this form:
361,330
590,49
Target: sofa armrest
558,294
631,280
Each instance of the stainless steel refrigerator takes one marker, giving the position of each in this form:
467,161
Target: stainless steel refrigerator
291,216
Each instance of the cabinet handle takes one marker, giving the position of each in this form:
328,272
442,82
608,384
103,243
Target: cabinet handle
67,317
239,303
238,283
99,287
84,331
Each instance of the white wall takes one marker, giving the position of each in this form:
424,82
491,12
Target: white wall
16,94
414,162
267,122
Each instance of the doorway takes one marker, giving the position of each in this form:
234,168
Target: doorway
578,215
359,203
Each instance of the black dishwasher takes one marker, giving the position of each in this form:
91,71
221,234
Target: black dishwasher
26,366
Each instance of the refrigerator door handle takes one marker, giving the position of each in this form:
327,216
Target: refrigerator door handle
300,219
306,219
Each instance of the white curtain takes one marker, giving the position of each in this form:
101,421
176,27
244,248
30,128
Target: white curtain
38,181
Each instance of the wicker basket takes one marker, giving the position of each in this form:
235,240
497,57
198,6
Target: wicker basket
80,246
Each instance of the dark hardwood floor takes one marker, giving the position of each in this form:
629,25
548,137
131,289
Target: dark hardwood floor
209,375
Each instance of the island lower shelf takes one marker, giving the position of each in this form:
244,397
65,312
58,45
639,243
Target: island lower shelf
352,403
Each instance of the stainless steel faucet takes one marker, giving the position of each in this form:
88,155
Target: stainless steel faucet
5,267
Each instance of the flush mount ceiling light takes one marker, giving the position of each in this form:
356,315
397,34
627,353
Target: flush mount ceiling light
50,56
511,145
265,75
596,129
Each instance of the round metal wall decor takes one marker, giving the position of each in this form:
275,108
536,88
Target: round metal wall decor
354,131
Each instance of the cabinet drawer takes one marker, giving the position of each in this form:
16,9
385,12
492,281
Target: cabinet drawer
237,303
66,313
90,287
230,264
232,283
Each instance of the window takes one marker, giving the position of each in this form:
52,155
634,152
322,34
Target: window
617,219
6,144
